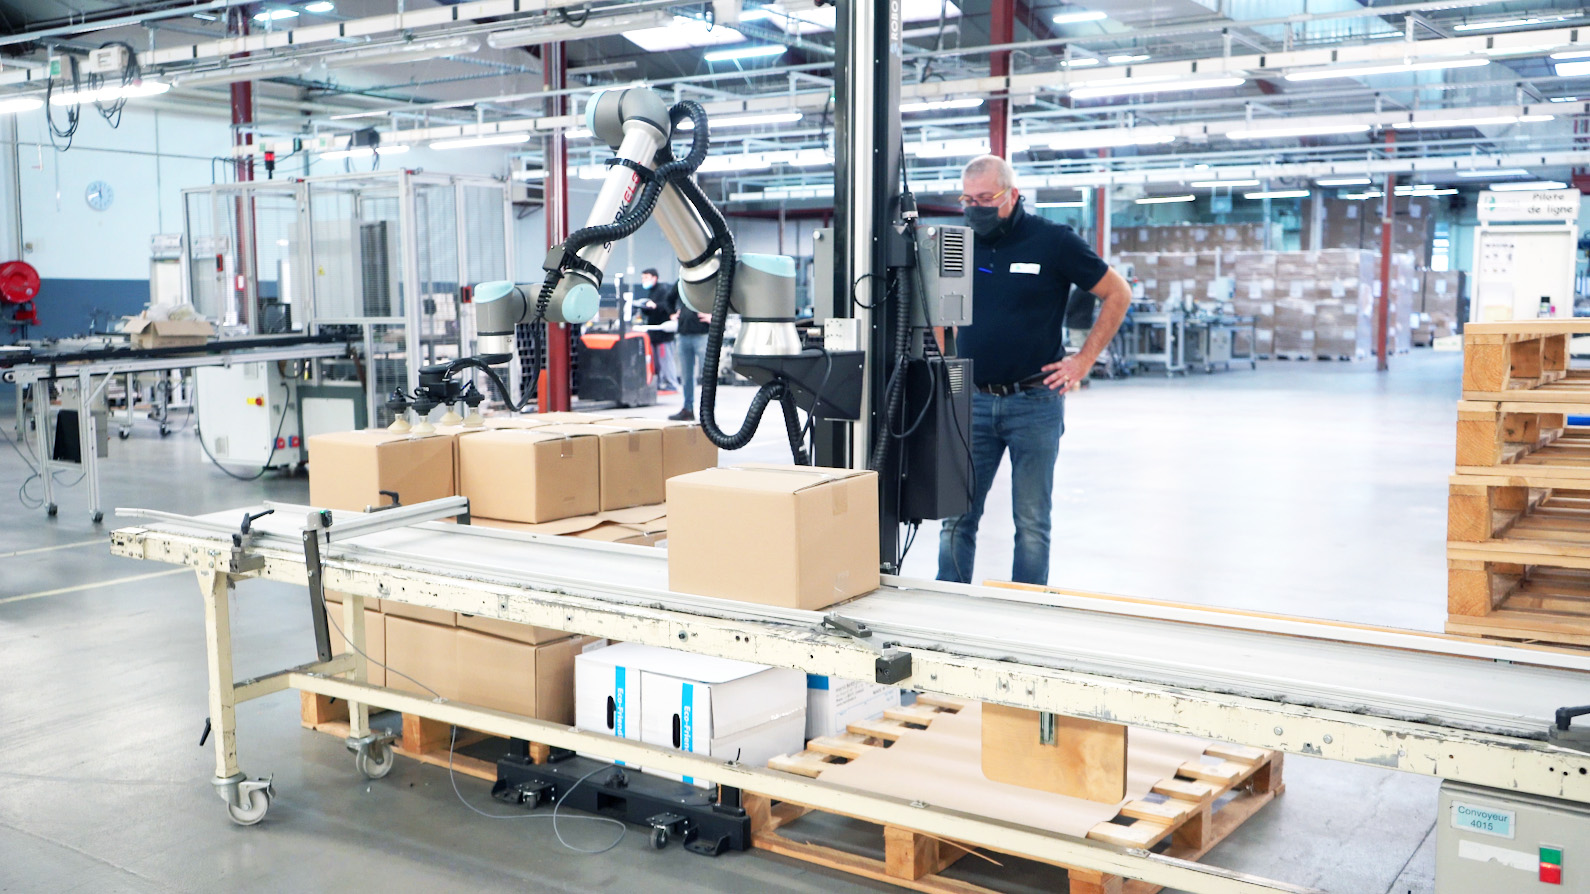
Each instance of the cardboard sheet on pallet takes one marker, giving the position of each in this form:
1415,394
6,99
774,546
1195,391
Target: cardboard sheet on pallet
943,765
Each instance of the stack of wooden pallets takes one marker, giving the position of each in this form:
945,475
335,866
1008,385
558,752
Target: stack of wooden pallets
1518,551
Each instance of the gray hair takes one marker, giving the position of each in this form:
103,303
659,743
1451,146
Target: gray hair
1004,174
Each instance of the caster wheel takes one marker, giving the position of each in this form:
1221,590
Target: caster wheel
659,838
51,509
165,430
124,434
259,803
376,761
98,517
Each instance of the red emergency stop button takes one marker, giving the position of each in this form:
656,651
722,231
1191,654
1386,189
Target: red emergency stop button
1550,874
256,401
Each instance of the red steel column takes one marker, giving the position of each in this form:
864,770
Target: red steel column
1383,304
1001,30
558,386
242,95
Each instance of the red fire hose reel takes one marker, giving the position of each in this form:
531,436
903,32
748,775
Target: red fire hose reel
19,284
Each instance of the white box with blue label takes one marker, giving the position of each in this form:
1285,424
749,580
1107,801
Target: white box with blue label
724,708
832,703
607,690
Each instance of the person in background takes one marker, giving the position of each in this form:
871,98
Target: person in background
692,341
656,301
1025,267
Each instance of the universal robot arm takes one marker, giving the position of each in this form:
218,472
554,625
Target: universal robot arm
645,180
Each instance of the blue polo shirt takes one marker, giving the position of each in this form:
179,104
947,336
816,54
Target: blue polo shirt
1022,282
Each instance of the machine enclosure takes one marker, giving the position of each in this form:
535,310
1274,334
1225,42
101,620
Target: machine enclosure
791,536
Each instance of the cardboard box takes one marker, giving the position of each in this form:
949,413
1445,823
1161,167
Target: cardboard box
794,536
374,635
685,447
832,703
529,634
728,709
348,470
147,333
568,418
642,525
532,680
631,465
529,475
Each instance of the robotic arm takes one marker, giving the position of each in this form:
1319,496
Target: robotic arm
645,180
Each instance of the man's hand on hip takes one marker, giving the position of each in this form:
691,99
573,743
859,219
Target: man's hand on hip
1066,375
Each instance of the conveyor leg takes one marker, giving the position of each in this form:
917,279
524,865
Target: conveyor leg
247,800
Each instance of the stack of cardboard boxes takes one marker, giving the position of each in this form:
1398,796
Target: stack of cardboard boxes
1439,311
1192,238
1355,224
567,474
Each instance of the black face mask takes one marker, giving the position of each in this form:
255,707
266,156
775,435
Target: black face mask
987,223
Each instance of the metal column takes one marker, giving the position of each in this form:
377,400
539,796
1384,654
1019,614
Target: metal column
1383,304
553,67
1001,31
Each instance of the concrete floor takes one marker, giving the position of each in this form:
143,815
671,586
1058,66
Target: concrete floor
1314,488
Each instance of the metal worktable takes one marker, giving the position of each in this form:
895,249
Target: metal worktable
1457,709
29,369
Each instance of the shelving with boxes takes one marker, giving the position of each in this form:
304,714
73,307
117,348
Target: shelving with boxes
1519,507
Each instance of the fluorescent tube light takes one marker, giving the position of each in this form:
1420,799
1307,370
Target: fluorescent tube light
1506,23
970,102
415,51
601,27
1564,99
1573,69
1319,74
1368,194
1570,54
1473,122
745,120
1496,172
1080,62
1277,194
1278,133
320,7
1128,58
14,104
1528,186
1102,138
495,139
1216,184
272,15
110,93
243,72
762,51
1343,181
529,175
364,151
1164,200
1152,85
683,33
1081,15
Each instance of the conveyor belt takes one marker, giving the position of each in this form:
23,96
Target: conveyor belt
1398,675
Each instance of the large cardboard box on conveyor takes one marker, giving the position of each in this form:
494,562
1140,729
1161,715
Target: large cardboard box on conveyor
530,475
794,536
685,446
349,470
146,333
630,463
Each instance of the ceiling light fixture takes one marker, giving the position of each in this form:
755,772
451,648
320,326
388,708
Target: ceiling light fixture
1080,62
1572,69
1368,194
1165,200
110,93
529,175
970,102
600,27
1494,172
1343,181
1128,58
273,15
759,51
1280,133
1564,99
496,139
232,74
414,51
746,120
1129,86
1216,184
1529,186
1319,74
1277,194
15,104
1081,15
683,33
1068,141
1570,54
1472,122
1507,23
320,7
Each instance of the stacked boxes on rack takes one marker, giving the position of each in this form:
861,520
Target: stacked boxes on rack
1192,237
1439,311
1518,563
567,474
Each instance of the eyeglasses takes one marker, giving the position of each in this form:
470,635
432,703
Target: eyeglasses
983,201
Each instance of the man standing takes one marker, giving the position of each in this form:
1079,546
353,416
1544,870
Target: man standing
656,303
1026,267
692,343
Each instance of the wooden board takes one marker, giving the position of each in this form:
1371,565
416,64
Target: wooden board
425,740
1524,603
1086,759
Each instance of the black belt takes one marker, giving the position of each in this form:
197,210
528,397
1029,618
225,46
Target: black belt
1008,390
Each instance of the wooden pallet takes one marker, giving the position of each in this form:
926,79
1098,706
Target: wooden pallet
1501,433
1528,603
425,740
1523,358
1185,816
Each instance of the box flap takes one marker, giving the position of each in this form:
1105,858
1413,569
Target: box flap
768,478
561,527
570,430
610,532
636,515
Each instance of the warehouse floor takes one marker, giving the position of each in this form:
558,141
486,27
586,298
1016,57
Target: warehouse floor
1313,488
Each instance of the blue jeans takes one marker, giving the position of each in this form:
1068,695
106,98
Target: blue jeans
692,350
1030,424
